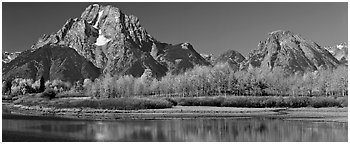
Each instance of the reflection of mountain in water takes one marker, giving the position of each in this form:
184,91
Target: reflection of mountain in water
186,130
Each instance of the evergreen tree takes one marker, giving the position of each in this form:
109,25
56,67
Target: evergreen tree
6,89
42,84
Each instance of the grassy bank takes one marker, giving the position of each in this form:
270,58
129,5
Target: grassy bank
118,104
115,103
263,101
135,103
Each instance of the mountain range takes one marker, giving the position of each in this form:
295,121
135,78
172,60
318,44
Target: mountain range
104,40
340,52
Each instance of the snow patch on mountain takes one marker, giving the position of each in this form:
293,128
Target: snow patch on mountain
98,19
101,39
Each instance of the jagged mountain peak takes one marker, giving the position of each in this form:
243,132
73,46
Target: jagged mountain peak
98,15
286,35
101,34
290,51
281,32
99,24
117,44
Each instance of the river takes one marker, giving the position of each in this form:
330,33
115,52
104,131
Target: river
26,128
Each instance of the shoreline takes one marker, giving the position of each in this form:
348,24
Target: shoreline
329,114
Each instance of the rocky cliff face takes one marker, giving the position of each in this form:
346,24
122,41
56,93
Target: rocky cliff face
291,52
232,57
119,45
52,62
340,52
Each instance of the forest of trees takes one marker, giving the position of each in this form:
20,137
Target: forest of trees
221,80
204,81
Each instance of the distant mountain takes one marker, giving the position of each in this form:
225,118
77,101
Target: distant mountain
117,44
340,52
291,52
52,62
8,57
178,58
232,57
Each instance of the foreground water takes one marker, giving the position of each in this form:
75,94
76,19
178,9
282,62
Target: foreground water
213,130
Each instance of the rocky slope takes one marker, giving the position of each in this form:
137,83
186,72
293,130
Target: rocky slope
8,57
119,45
209,58
52,62
340,52
232,57
177,58
291,52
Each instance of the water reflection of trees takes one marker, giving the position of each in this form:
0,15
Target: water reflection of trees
189,130
224,130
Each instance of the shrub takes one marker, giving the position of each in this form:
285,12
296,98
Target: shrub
48,93
58,85
15,91
70,94
264,101
211,101
281,102
171,100
36,86
190,101
271,102
318,102
118,103
154,104
343,101
20,86
236,101
87,85
6,87
295,102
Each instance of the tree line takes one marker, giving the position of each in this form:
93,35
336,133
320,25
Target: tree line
222,80
201,81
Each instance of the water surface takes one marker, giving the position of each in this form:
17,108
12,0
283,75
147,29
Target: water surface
211,130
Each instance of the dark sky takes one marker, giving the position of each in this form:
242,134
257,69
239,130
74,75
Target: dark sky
211,28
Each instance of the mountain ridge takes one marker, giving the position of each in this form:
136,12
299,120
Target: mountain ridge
8,56
117,44
290,51
51,62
